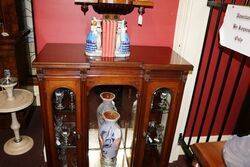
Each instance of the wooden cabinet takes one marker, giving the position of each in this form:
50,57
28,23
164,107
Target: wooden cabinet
13,52
148,87
163,96
13,49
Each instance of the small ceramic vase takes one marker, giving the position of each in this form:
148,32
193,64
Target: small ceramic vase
110,138
99,37
118,37
107,104
123,41
93,42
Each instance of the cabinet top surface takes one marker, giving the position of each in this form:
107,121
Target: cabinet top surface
146,57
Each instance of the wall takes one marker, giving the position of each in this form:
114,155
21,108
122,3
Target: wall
189,35
63,22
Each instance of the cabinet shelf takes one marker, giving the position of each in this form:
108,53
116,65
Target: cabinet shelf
67,147
121,7
68,118
64,111
145,4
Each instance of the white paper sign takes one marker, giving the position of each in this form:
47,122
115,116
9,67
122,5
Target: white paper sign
235,30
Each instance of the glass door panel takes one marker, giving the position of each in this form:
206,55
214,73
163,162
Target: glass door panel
64,117
155,134
123,103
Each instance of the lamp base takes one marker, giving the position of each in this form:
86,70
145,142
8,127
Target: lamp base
16,148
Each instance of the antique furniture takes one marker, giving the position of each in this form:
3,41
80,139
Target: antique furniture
13,53
148,87
12,100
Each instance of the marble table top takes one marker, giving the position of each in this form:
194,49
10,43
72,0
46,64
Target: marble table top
23,98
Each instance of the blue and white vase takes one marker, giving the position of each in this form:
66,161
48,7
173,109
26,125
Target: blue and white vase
110,138
123,41
125,44
93,42
106,105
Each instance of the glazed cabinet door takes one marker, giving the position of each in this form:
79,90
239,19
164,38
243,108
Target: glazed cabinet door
162,101
112,114
62,121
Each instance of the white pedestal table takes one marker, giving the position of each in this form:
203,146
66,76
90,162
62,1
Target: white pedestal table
22,99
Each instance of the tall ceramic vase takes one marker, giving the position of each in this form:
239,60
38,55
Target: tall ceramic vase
106,105
110,138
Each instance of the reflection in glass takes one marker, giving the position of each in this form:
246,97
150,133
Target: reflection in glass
72,101
164,104
59,97
65,134
160,106
125,103
65,126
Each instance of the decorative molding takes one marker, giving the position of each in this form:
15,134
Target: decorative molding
147,76
83,75
40,74
184,78
136,84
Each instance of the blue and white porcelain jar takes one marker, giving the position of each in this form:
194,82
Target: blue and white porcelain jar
122,40
125,44
110,138
93,40
106,105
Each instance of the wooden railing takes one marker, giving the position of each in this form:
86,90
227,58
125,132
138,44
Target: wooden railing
212,50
